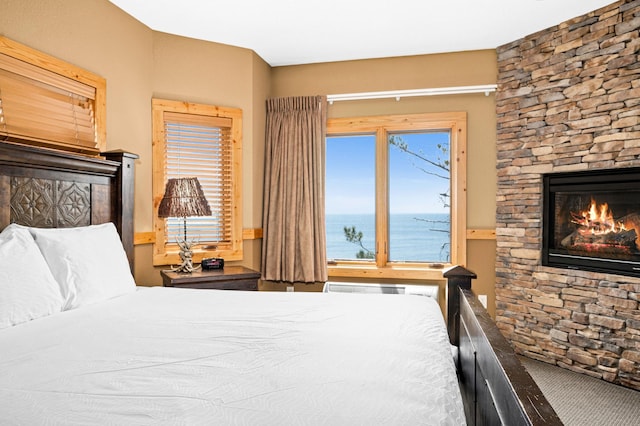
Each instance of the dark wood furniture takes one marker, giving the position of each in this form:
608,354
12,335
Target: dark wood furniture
496,389
46,188
53,189
229,278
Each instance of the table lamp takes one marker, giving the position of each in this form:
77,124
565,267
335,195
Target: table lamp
183,197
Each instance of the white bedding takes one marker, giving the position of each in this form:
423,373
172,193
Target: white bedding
204,357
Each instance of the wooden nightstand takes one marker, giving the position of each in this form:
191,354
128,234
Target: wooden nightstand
229,278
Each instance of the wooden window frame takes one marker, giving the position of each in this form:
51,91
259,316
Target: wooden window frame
52,68
381,126
164,252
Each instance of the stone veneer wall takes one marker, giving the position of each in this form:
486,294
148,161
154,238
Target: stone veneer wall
568,99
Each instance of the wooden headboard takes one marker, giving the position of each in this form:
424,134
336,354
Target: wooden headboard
52,189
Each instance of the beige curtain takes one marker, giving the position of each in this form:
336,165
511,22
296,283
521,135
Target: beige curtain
294,242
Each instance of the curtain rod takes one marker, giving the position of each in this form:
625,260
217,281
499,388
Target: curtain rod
486,88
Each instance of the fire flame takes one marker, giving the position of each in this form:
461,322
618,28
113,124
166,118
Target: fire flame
597,220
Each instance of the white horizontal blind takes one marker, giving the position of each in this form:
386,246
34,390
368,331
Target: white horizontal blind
200,146
40,105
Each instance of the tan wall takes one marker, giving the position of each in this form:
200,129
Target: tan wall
255,168
442,70
139,64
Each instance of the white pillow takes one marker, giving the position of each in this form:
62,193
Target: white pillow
88,262
27,288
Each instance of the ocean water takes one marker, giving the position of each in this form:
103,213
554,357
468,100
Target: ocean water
420,237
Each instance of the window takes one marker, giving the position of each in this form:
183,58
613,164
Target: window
45,101
203,141
395,193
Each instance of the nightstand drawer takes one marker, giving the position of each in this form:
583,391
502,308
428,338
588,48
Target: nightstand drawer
229,278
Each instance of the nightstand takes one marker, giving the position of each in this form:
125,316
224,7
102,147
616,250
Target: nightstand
229,278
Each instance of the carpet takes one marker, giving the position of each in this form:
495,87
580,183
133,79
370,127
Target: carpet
580,400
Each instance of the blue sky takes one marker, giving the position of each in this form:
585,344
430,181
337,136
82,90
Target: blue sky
351,167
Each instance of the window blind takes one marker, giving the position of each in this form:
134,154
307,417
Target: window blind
201,146
39,105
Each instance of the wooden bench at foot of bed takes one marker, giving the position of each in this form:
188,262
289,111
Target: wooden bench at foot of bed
496,389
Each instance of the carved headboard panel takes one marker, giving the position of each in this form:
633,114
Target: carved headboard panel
53,189
46,203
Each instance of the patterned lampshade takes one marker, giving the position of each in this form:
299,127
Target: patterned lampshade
183,197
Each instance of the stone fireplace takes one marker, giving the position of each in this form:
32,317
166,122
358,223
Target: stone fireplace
568,102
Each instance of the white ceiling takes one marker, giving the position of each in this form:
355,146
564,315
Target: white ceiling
289,32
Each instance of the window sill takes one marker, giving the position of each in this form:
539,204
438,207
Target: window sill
172,256
407,272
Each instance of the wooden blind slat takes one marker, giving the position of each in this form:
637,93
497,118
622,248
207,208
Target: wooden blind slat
22,130
33,110
44,76
69,114
194,145
179,118
197,156
186,167
48,130
81,123
27,87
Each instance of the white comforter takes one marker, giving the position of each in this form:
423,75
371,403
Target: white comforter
204,357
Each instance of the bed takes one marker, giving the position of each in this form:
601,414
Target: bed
104,351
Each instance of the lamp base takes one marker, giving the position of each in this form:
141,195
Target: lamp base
186,255
185,269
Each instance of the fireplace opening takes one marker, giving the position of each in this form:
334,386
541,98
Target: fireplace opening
591,221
